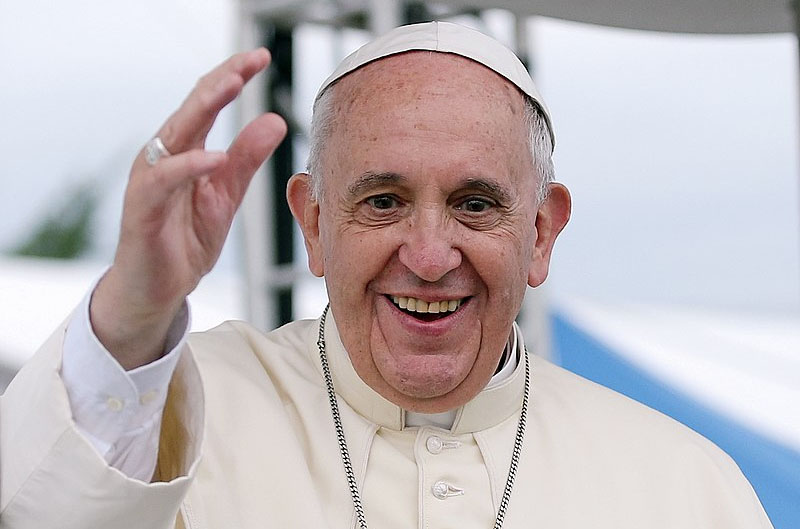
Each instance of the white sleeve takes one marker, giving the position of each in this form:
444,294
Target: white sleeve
117,411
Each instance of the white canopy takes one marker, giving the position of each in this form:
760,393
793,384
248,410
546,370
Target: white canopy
677,16
743,365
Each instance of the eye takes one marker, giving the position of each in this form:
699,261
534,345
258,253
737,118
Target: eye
382,202
475,205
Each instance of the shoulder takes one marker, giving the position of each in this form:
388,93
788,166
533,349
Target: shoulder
600,445
235,335
589,404
238,349
620,427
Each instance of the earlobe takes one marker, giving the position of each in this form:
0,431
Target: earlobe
551,218
305,210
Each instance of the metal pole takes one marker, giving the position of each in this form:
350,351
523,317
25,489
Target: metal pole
534,317
795,6
414,12
523,41
280,41
267,224
258,201
384,15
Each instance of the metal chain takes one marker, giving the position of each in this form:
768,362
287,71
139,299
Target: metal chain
337,422
345,453
512,469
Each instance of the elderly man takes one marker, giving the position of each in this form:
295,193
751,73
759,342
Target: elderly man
428,207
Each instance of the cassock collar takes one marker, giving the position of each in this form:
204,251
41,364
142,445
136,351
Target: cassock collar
489,408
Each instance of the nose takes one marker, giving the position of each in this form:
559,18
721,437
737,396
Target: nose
428,249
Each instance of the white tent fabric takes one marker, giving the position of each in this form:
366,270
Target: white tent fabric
731,377
746,366
36,295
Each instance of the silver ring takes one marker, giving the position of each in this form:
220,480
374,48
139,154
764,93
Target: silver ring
154,150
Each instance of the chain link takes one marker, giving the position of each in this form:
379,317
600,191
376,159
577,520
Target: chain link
345,453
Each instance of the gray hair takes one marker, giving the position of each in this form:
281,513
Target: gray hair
322,120
541,145
324,116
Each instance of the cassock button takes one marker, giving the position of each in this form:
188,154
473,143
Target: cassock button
434,444
443,490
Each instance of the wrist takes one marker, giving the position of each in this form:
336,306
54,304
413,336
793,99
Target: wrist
135,333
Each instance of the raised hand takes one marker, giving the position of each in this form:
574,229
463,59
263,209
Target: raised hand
177,214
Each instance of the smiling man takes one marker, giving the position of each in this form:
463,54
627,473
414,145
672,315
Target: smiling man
429,208
428,193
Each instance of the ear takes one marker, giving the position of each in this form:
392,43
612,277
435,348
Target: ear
306,212
551,218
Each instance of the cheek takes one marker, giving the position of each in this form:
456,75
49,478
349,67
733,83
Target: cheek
354,260
503,252
504,268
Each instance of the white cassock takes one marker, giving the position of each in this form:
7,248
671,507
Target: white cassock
255,405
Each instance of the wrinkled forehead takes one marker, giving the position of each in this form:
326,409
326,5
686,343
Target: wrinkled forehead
438,81
446,38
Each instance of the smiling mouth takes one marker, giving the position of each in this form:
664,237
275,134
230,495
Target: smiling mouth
425,310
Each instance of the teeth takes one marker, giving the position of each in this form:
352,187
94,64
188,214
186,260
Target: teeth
432,307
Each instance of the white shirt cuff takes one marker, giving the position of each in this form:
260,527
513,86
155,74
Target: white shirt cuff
118,411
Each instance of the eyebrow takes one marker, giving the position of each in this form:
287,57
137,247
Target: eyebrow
488,186
369,181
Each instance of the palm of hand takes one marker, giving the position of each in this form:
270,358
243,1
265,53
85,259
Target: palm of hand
177,215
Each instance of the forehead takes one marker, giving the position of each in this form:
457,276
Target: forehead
427,110
419,75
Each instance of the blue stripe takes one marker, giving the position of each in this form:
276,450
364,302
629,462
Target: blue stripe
773,469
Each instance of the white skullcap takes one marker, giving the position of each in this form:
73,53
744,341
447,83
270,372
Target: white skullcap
445,37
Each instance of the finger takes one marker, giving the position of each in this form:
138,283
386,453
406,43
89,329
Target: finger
248,151
188,127
172,172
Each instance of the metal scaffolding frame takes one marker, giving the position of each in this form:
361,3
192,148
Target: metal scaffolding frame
267,224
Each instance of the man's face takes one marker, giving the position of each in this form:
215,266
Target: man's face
429,194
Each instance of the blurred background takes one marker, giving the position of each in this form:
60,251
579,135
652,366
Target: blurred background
676,282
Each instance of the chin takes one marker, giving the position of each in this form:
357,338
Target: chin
431,390
426,390
423,376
